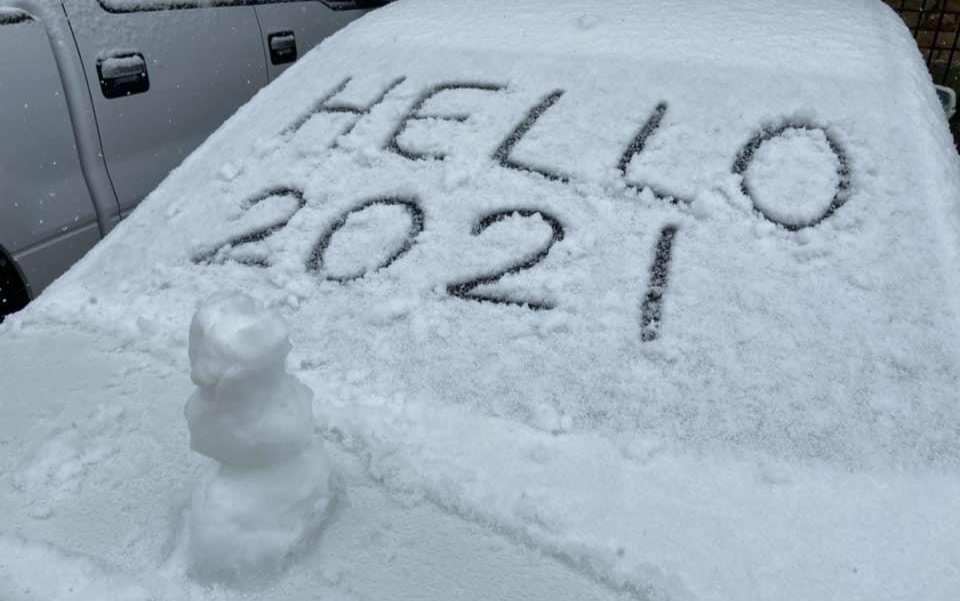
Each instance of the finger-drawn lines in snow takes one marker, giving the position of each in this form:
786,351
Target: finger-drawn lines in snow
329,105
215,255
502,154
315,262
747,153
637,145
415,114
466,290
651,311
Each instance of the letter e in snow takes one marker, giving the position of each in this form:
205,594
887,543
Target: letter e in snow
414,114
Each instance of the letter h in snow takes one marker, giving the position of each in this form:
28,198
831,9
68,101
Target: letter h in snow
328,105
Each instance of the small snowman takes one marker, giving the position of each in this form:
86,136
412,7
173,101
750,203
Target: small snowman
270,489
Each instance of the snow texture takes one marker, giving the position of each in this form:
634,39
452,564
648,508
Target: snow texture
678,309
272,487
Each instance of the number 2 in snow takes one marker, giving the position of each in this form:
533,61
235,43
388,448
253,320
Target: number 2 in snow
466,290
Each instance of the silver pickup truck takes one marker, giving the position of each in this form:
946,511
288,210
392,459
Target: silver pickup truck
100,99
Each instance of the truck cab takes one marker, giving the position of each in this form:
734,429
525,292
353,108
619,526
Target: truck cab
101,99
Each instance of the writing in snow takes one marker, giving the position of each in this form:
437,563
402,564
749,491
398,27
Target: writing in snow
467,288
503,155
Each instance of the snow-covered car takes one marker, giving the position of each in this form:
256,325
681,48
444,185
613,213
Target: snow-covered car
612,300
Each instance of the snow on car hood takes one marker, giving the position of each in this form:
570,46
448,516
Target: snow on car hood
667,289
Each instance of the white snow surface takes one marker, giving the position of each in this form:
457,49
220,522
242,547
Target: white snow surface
10,15
792,431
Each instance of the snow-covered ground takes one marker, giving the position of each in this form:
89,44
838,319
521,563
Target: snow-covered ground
594,301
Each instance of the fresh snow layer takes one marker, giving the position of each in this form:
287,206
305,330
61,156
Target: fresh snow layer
10,15
112,529
722,362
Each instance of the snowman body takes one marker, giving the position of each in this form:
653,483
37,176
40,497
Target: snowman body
270,490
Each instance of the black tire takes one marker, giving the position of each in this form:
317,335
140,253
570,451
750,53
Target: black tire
13,292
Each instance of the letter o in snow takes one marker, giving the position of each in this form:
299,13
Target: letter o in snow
795,175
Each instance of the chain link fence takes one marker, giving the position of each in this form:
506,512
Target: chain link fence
936,27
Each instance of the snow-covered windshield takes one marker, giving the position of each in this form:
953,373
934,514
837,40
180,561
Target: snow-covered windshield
556,262
645,241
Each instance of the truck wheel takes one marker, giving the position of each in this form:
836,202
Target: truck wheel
13,291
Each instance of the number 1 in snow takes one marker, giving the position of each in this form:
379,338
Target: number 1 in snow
652,307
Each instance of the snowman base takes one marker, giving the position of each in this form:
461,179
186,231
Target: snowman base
246,523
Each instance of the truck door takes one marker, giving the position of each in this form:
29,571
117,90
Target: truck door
291,29
163,76
47,217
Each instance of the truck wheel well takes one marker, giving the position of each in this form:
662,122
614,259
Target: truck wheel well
13,290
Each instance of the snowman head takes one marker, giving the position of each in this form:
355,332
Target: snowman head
234,334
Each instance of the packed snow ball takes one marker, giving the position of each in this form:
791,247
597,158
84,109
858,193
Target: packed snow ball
270,490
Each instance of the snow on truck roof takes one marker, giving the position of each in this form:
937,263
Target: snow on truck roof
667,289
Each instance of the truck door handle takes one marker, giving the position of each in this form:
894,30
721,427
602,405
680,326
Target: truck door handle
283,47
122,74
